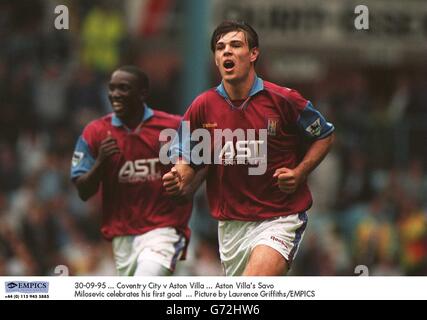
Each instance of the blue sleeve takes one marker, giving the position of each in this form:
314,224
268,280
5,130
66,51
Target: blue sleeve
82,160
182,145
313,124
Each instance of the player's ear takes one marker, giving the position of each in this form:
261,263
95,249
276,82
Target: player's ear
254,54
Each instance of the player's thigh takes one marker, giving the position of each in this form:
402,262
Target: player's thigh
125,256
265,261
162,247
276,244
148,267
234,238
247,243
153,253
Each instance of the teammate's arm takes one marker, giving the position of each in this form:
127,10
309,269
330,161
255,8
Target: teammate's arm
290,179
183,180
88,183
191,188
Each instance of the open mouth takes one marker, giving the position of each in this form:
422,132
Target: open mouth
228,65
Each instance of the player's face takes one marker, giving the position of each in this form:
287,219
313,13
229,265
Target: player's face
233,57
124,94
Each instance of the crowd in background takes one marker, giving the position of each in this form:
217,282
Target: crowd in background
370,193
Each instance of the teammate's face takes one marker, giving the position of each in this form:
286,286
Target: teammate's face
233,57
125,95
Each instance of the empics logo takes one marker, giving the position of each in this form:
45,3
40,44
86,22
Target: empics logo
27,286
11,285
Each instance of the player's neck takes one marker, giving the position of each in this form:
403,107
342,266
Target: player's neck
240,90
134,120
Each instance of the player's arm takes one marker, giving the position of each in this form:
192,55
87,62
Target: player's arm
290,179
88,183
183,180
190,186
198,179
185,177
313,126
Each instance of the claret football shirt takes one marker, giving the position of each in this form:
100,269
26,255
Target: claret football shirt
274,117
134,200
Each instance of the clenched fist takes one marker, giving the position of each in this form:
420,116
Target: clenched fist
288,179
172,182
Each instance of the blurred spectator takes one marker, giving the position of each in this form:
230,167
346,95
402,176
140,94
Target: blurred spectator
414,182
374,238
84,92
15,258
412,228
102,36
40,236
324,183
31,148
50,93
355,185
10,174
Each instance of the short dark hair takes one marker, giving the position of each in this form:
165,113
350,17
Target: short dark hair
232,25
141,77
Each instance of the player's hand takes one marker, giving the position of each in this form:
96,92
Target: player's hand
107,148
179,180
172,182
288,179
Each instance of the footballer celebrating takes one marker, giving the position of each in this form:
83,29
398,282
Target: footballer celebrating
119,154
262,217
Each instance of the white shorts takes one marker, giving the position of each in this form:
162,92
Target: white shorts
237,239
154,253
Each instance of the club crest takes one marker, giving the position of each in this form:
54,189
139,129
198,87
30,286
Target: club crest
272,125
